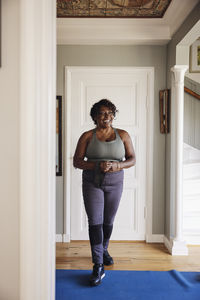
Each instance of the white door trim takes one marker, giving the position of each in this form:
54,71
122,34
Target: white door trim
37,148
149,143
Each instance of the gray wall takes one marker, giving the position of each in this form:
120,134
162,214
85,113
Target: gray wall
190,21
9,155
153,56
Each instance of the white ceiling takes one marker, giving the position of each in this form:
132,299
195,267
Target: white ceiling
102,31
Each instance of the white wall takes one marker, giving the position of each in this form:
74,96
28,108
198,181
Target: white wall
191,121
9,156
192,113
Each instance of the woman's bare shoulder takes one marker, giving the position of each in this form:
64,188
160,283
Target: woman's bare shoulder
123,134
87,135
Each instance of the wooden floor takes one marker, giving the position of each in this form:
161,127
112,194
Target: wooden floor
127,256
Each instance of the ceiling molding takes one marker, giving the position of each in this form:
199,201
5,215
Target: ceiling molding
95,31
110,34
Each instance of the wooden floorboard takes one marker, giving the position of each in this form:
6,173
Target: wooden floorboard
127,256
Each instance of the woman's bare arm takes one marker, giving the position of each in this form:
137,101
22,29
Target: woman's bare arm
129,153
78,159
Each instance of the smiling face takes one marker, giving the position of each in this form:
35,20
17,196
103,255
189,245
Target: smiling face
105,117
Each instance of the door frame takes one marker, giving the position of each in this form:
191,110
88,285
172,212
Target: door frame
37,131
149,144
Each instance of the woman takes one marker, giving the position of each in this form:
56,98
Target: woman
108,151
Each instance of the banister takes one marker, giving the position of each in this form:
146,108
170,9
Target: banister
197,96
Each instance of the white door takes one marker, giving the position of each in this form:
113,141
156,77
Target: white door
127,89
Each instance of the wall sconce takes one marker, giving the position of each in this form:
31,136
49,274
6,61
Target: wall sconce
164,99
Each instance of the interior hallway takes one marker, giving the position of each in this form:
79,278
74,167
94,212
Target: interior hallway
138,256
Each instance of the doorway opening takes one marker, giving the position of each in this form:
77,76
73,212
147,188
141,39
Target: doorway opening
131,89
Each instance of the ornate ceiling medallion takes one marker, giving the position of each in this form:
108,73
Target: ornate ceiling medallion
112,8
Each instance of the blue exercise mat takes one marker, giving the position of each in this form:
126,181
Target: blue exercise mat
125,285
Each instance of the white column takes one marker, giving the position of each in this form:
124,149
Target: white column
179,246
37,149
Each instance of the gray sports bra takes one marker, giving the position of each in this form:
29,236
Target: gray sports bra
99,151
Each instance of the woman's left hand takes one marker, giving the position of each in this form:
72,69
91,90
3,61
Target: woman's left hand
115,166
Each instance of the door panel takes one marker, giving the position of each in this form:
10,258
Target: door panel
127,89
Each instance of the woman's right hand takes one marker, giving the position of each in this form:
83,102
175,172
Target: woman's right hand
105,166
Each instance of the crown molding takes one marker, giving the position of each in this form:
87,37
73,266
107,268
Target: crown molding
111,32
97,31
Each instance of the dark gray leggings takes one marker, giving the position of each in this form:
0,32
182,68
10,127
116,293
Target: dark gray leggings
101,205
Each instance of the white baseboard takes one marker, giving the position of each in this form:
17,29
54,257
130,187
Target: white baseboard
176,247
59,238
66,238
154,238
179,248
62,238
168,244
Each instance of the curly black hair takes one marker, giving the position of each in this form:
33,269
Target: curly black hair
96,108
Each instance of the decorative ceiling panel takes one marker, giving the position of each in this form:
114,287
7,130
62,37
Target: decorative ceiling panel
112,8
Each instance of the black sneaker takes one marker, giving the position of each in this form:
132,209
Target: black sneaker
97,274
107,259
